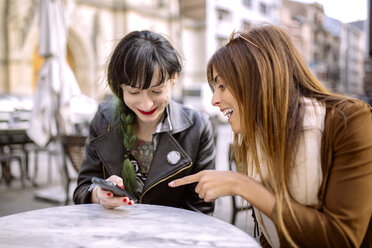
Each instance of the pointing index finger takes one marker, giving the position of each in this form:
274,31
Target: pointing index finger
185,180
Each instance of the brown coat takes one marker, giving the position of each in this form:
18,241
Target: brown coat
344,217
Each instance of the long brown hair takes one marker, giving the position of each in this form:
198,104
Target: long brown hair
268,77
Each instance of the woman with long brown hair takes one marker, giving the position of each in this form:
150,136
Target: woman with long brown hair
304,154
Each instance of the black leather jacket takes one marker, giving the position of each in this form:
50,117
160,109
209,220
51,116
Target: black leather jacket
190,133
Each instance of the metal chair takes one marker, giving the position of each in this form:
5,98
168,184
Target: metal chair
237,205
5,160
50,150
73,150
12,144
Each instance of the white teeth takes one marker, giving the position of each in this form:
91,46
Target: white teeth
228,112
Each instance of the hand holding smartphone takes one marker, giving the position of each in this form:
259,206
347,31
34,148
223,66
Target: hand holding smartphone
115,189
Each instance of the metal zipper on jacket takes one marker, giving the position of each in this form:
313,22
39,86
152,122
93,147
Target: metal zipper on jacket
152,186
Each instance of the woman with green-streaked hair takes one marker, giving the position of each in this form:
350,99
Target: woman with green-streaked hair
142,139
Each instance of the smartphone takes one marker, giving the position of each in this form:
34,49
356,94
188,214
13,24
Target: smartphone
115,189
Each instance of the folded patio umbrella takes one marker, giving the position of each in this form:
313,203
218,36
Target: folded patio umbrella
56,82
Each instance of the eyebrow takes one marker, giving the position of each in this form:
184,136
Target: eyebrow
215,78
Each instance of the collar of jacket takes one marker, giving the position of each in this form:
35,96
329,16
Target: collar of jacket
109,147
177,119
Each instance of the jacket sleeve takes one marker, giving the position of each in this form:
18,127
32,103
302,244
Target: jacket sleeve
344,218
91,165
205,161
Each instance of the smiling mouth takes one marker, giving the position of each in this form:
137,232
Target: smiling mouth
147,113
228,112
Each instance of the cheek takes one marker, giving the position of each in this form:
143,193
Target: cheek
165,97
128,99
161,100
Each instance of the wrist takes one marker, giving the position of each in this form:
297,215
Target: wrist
240,186
97,194
94,197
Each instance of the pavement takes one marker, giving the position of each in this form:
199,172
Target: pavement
50,193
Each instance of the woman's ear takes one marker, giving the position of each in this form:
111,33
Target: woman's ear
174,78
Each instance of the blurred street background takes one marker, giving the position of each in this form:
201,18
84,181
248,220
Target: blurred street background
333,37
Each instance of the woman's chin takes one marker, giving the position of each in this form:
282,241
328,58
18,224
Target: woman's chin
235,130
234,127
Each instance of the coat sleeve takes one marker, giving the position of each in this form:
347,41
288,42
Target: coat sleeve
205,161
91,165
344,218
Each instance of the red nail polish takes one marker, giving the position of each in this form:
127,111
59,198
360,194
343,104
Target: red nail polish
122,186
130,203
109,194
125,200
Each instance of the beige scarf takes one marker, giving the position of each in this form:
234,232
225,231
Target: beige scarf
306,175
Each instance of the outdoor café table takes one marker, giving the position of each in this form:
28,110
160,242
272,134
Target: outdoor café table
140,225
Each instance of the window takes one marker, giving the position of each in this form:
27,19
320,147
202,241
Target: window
191,92
223,15
247,3
264,9
161,3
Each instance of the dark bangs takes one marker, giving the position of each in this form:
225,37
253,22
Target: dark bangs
138,58
141,64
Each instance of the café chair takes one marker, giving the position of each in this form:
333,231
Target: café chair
5,161
73,152
8,153
50,150
238,205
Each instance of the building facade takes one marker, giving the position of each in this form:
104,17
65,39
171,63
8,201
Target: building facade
206,25
334,51
95,26
352,54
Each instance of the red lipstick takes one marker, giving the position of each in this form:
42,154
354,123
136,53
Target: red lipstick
147,113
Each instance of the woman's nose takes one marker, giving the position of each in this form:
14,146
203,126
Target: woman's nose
216,99
146,103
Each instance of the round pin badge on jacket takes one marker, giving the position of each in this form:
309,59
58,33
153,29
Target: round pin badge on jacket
173,157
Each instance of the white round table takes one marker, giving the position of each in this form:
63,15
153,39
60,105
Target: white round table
140,225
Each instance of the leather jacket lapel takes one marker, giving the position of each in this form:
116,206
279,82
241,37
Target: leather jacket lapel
179,119
161,168
110,149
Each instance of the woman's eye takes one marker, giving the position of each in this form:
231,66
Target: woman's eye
133,93
156,91
222,86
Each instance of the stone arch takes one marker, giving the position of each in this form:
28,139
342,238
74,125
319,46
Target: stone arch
82,60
